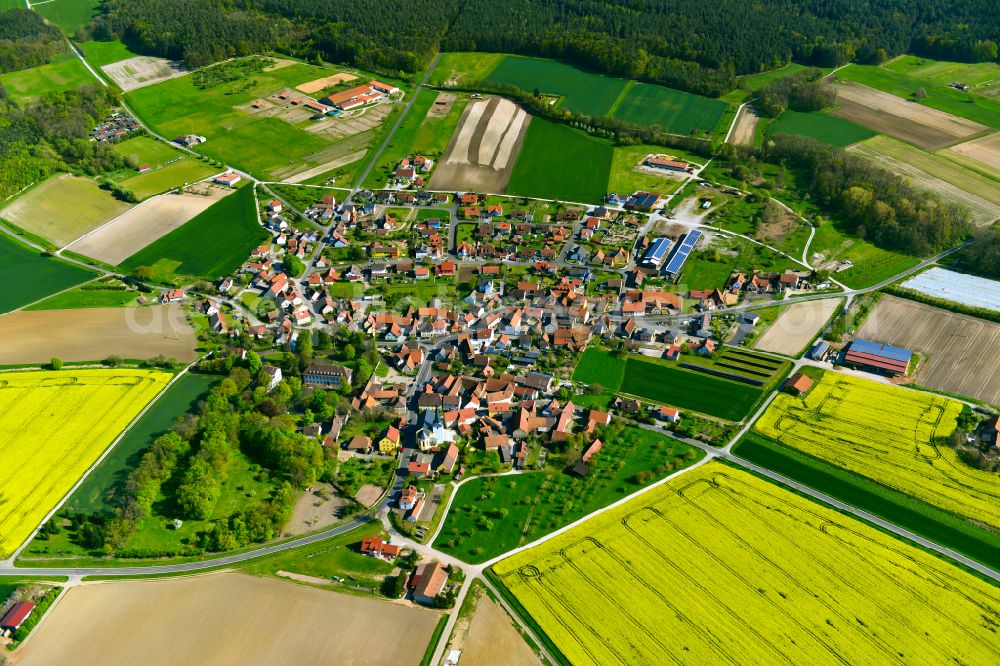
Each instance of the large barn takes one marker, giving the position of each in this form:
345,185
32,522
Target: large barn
877,358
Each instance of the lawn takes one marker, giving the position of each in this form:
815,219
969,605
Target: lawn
89,296
944,528
69,15
820,126
582,92
842,421
562,163
941,97
675,111
49,435
465,67
35,275
255,143
65,72
872,264
63,208
492,515
625,178
718,564
212,244
99,54
99,491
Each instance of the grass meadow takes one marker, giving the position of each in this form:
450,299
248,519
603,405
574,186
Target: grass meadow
99,54
210,245
35,276
719,562
65,72
625,178
562,163
820,126
675,111
975,107
69,15
872,264
170,167
491,515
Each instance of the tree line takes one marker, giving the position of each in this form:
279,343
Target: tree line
53,135
26,40
982,256
687,44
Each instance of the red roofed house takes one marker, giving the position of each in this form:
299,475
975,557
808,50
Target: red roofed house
799,384
671,414
16,616
418,469
428,581
594,447
375,547
228,179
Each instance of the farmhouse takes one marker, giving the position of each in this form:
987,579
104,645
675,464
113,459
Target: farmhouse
16,616
375,547
877,358
228,179
428,581
799,384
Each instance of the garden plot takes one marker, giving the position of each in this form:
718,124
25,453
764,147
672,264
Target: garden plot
226,618
142,71
914,123
719,566
894,436
953,343
154,218
484,149
797,326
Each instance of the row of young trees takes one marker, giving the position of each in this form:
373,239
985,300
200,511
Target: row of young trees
688,44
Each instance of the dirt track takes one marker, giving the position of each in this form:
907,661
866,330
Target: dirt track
743,133
93,334
225,618
797,326
961,350
483,150
154,218
911,122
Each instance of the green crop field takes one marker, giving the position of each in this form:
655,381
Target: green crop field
520,509
31,276
821,126
465,67
212,244
99,54
969,105
582,92
88,297
96,493
597,366
842,421
69,15
255,143
900,509
65,72
675,111
720,566
559,162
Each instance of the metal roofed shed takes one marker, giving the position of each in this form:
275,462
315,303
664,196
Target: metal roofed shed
681,252
878,358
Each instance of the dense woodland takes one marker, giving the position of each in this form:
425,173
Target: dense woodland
983,255
26,40
52,136
801,91
688,44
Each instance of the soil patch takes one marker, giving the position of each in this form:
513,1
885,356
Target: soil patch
369,494
317,508
985,152
743,132
492,639
797,326
93,334
316,85
142,71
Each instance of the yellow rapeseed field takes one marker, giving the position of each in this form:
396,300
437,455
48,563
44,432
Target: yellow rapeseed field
721,567
53,426
891,435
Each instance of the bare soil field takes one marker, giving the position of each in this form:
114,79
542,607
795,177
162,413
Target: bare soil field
483,151
225,618
490,638
368,494
442,105
154,218
316,508
93,334
314,86
922,126
63,208
142,71
981,153
959,349
982,211
743,132
797,326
